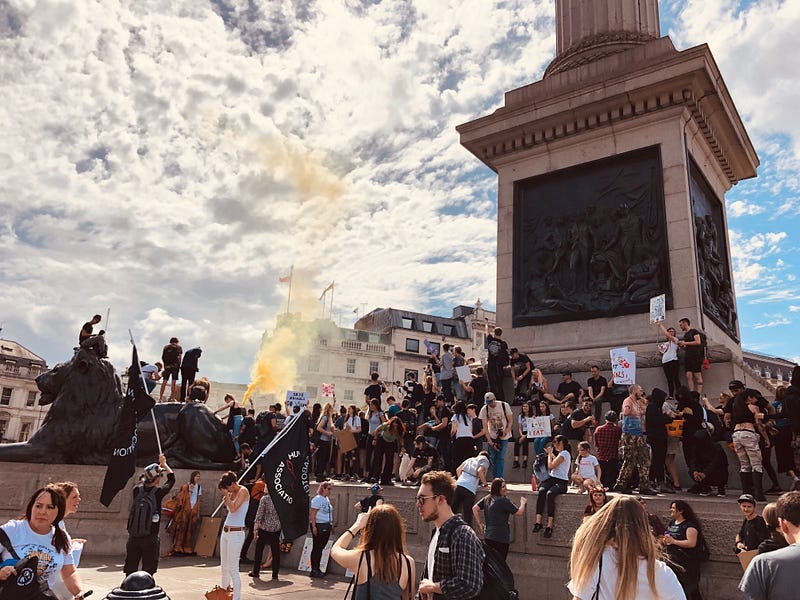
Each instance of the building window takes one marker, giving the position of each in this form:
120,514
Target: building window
414,371
435,347
3,428
348,395
31,399
313,364
408,323
25,432
312,392
447,329
412,345
374,338
351,366
373,366
427,326
479,339
5,397
351,335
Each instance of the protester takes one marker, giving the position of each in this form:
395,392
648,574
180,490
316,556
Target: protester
569,389
73,501
497,508
257,491
369,502
597,499
682,540
558,468
783,440
754,529
710,467
477,387
462,433
383,545
776,540
540,389
745,441
267,530
542,409
523,441
791,401
633,448
350,460
189,369
321,519
775,575
185,516
669,358
324,427
672,484
375,390
447,373
423,459
657,436
38,534
606,440
171,356
497,420
496,361
521,367
387,440
471,473
614,557
235,497
375,417
145,518
441,429
587,473
694,354
453,569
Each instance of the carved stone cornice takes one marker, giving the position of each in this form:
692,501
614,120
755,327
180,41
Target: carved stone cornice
595,48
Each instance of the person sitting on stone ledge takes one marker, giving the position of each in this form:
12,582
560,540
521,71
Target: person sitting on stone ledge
569,389
710,466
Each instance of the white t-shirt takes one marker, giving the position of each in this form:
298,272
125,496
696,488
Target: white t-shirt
669,351
27,542
497,418
586,466
666,581
562,470
432,553
463,430
324,509
469,474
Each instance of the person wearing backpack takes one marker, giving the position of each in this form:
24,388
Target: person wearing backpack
694,346
497,419
144,519
454,566
171,356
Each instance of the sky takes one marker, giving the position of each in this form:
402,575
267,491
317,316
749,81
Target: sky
169,160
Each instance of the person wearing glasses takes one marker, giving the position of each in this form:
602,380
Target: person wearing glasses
454,565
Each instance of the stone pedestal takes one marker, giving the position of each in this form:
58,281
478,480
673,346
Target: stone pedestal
613,166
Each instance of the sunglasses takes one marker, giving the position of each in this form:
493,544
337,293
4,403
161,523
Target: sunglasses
421,499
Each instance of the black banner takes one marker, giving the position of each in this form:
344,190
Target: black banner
286,463
122,464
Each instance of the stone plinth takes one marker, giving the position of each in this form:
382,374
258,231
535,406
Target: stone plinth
540,566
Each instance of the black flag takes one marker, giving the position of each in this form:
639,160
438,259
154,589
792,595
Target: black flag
286,463
122,464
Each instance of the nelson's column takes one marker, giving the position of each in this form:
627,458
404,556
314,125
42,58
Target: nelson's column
612,172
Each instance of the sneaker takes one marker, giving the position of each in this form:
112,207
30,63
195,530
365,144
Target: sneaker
775,489
524,464
253,574
704,493
387,484
667,489
646,490
721,491
515,465
537,528
317,574
274,578
548,532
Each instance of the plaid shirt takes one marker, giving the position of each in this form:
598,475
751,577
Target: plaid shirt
606,439
458,567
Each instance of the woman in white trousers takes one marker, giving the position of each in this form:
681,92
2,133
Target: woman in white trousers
236,499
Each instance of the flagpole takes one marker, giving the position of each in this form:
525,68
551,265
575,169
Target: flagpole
108,317
330,314
281,434
289,297
152,414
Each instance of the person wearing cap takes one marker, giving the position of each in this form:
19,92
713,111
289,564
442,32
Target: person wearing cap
371,501
606,440
569,389
145,550
754,528
497,420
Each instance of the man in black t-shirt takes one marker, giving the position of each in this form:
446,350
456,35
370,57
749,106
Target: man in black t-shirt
597,386
692,344
569,389
478,387
423,459
374,390
409,418
442,431
581,420
496,362
521,368
87,341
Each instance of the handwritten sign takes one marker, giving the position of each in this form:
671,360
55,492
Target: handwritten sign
328,390
538,427
623,366
431,348
296,399
463,374
658,309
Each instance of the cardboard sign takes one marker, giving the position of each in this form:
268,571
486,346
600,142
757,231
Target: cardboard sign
296,399
346,440
538,427
328,390
623,366
658,309
463,373
746,557
207,539
305,556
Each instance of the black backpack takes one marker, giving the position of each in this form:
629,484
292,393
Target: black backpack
26,584
170,355
498,580
140,519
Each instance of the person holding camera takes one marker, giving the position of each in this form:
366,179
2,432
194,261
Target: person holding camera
497,419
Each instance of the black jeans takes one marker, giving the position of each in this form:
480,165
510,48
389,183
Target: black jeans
463,501
501,547
524,446
495,374
322,457
187,379
320,539
548,490
383,452
658,447
273,538
144,549
463,448
672,373
610,472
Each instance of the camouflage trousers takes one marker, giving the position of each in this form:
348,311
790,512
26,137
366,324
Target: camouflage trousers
635,455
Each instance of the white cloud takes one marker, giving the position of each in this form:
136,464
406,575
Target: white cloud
777,322
740,208
794,308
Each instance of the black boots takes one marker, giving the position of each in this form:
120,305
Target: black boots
758,490
747,482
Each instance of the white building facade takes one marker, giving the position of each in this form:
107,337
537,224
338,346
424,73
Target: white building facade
20,413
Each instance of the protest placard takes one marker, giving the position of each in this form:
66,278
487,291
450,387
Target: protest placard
658,309
346,440
296,399
623,366
539,427
463,374
431,348
328,390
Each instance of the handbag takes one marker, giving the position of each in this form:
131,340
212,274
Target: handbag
26,584
219,593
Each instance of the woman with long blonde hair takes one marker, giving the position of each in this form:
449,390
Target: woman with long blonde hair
382,566
324,426
615,557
